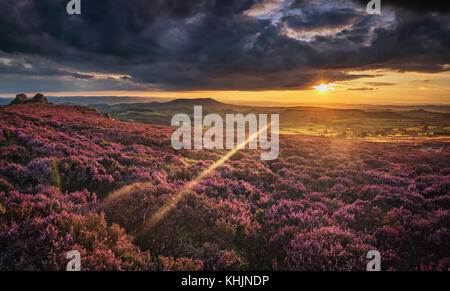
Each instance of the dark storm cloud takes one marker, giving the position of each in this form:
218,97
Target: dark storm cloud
81,76
316,18
418,44
296,4
415,45
209,44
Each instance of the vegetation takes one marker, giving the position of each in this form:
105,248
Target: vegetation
72,179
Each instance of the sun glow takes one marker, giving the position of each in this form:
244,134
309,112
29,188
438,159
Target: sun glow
324,87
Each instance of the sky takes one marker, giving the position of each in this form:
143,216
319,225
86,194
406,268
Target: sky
240,51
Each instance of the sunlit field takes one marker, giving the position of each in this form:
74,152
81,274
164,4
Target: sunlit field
375,124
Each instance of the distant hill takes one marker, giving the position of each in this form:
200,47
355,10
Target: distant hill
83,100
114,100
370,122
194,102
308,112
319,121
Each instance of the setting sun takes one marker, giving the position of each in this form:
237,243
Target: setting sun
324,87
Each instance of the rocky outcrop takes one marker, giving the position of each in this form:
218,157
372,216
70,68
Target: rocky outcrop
39,98
20,99
23,99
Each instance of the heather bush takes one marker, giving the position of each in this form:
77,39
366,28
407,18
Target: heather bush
327,248
36,231
72,179
215,259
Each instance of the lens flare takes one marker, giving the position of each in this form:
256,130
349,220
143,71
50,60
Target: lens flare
165,209
169,205
56,171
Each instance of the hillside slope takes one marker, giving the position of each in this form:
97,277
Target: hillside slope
72,179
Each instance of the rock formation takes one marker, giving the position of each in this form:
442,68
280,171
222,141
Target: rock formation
20,99
23,99
39,98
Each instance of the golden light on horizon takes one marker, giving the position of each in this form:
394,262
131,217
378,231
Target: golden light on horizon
404,88
324,87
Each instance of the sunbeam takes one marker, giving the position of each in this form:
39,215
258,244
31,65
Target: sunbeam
165,209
